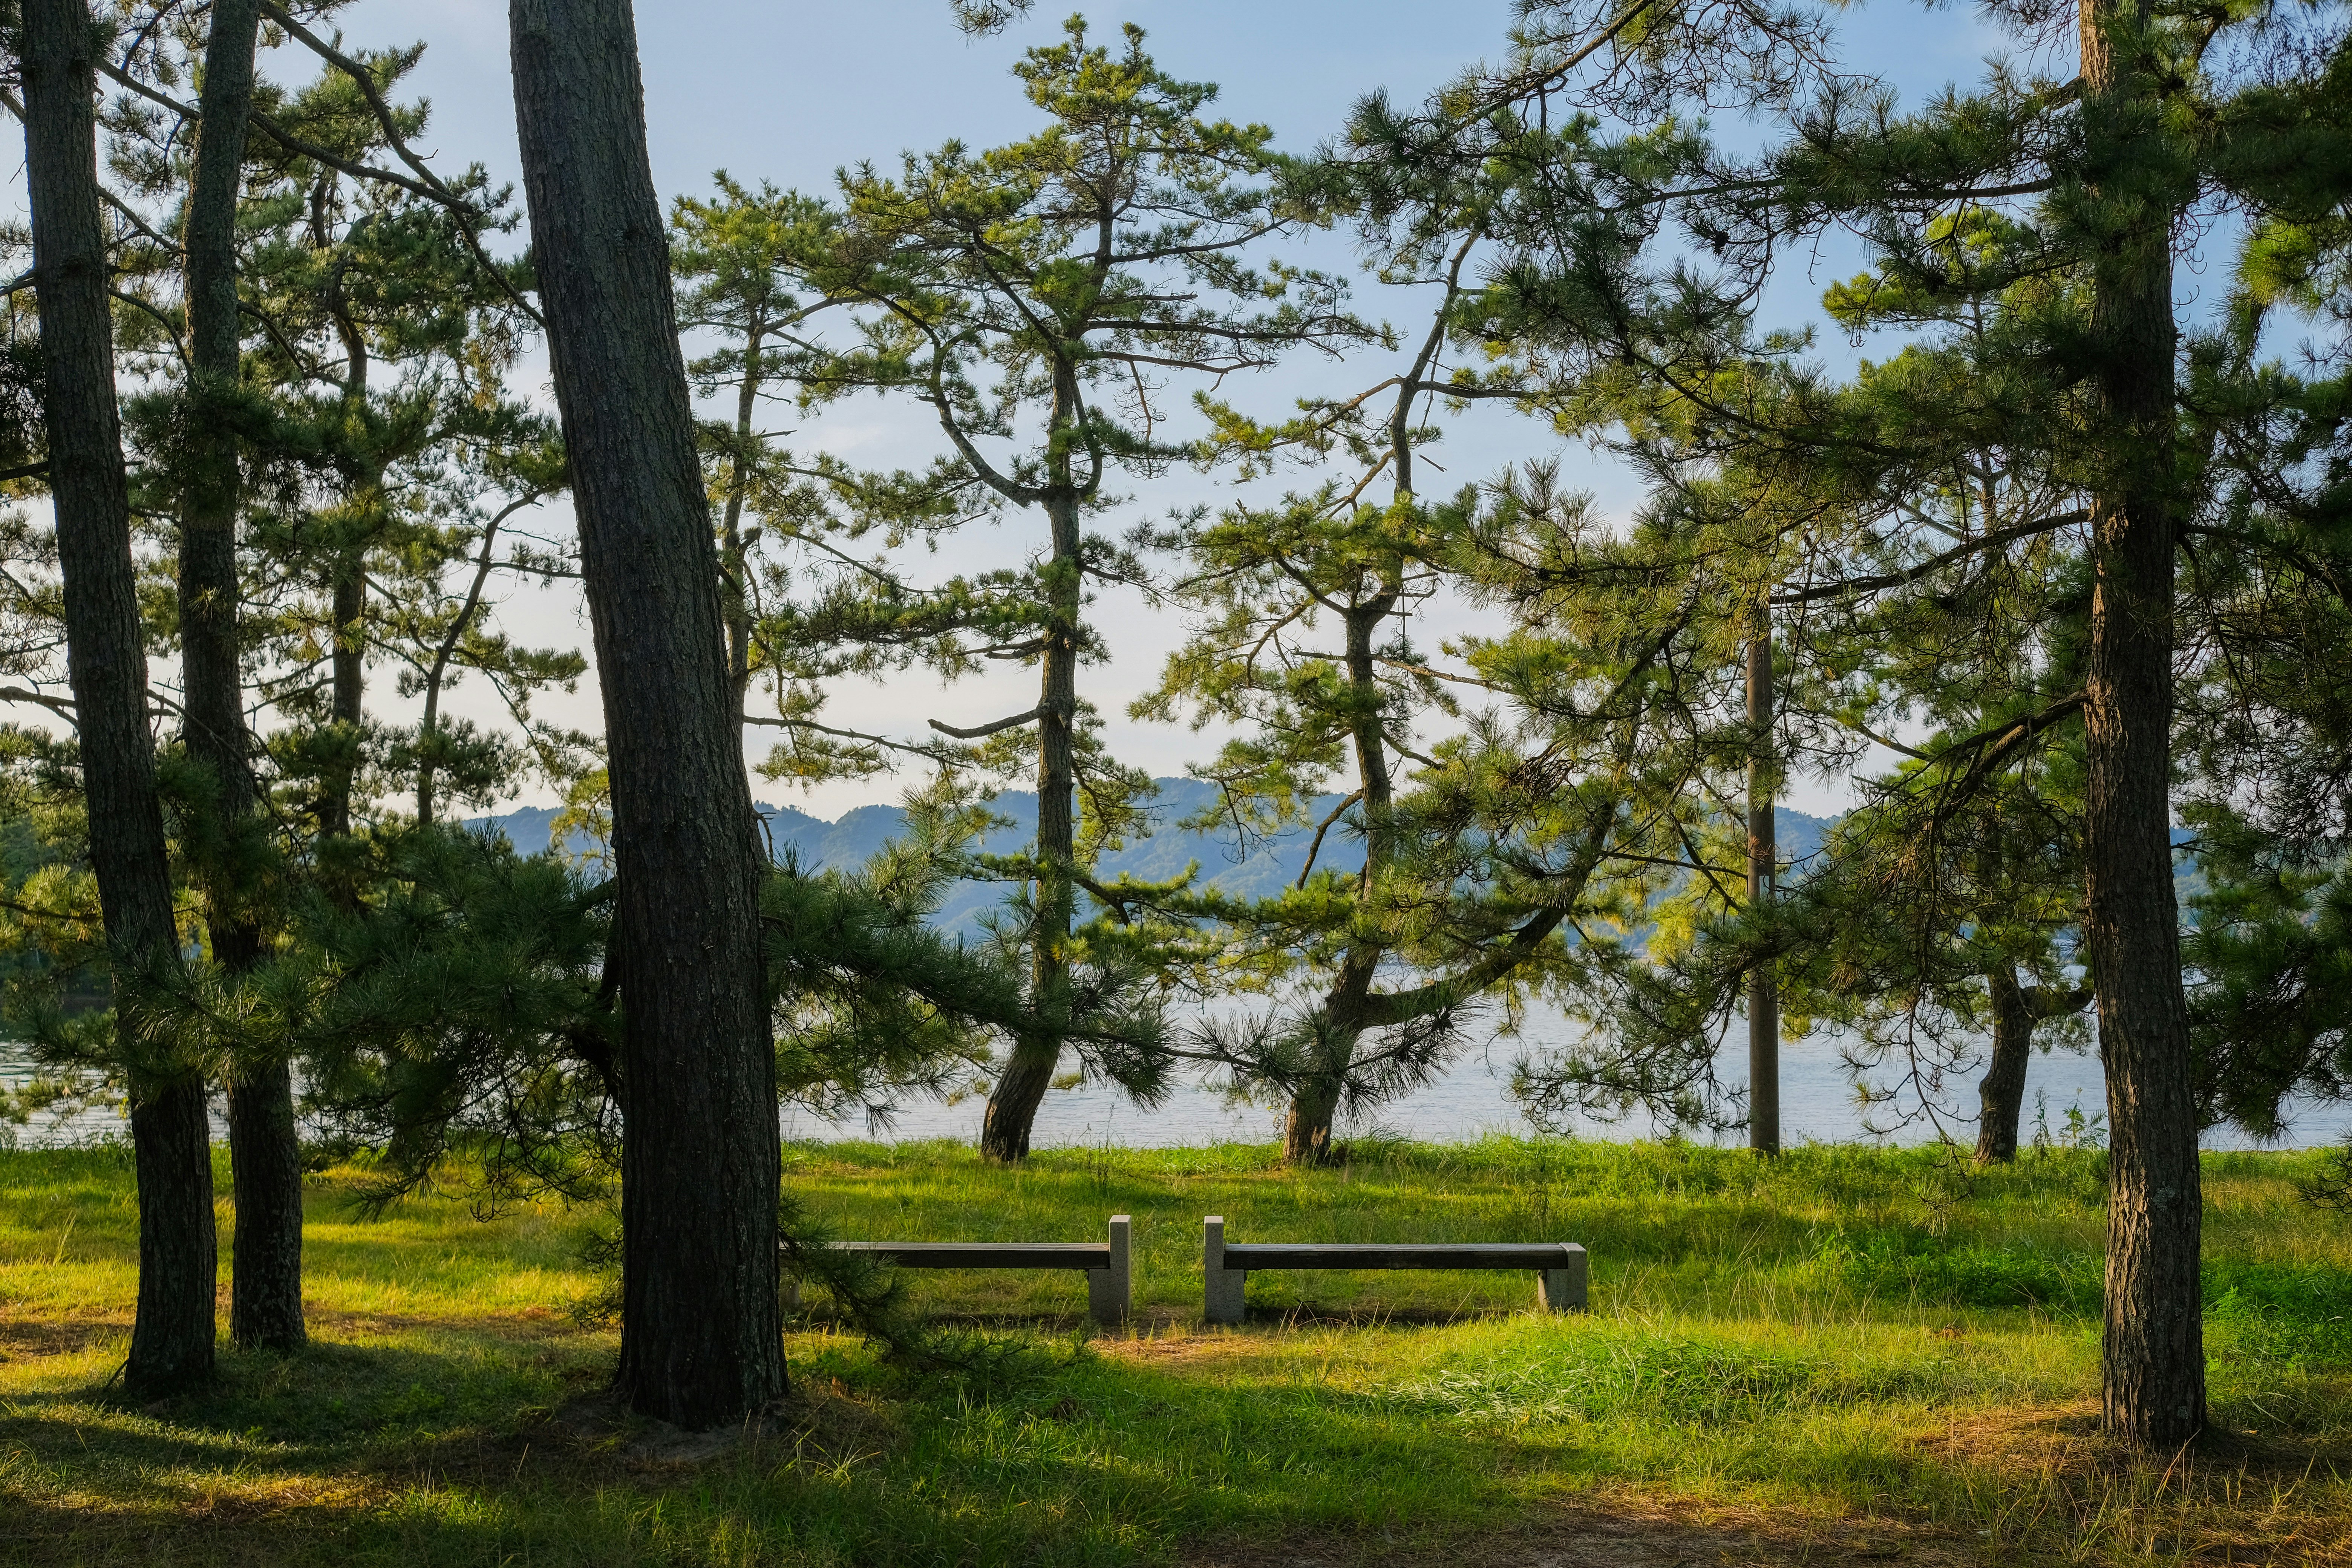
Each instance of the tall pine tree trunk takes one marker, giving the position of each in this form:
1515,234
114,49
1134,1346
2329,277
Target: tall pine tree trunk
171,1340
2153,1354
1763,868
265,1157
702,1327
1021,1088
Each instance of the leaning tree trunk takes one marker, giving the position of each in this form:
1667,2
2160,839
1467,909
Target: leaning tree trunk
264,1156
1021,1088
2153,1354
2001,1095
171,1340
701,1341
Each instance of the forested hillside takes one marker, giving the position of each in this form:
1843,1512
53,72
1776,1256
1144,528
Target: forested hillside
1260,868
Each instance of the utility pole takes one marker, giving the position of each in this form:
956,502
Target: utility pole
1763,856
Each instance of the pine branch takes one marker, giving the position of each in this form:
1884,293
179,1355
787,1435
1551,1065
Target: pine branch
1934,563
982,731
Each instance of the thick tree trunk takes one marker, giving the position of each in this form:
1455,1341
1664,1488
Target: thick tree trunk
265,1157
2154,1354
1307,1130
1763,868
179,1258
1021,1088
265,1162
171,1340
2001,1095
702,1327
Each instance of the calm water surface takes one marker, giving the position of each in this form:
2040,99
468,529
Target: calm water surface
1818,1104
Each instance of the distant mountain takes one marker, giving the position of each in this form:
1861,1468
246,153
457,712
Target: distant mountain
816,845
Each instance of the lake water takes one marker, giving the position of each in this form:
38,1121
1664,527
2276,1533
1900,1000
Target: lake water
1818,1104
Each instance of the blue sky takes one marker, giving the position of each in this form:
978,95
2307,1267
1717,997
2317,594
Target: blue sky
788,93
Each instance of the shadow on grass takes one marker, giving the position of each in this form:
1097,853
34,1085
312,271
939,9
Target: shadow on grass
319,1406
474,1451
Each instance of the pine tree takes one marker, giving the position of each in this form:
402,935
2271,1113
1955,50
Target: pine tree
2099,173
2267,716
1406,949
1950,608
730,255
172,1338
1052,280
422,441
265,1154
701,1341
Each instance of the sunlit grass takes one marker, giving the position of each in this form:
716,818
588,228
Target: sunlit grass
1848,1345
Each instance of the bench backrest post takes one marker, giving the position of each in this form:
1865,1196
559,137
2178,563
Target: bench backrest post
1223,1300
1562,1290
1111,1290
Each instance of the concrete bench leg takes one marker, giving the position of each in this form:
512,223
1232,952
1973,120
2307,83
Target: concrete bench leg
1223,1303
1111,1290
1562,1290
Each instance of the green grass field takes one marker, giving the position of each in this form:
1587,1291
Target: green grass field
1848,1354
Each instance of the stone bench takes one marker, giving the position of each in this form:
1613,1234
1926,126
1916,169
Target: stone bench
1108,1263
1559,1267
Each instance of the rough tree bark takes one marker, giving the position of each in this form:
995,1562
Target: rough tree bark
171,1340
702,1328
265,1153
1763,868
2153,1350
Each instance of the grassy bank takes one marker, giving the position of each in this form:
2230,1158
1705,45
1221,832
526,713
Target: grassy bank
1851,1350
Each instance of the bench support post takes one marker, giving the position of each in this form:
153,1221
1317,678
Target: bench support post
1223,1303
1109,1290
1562,1290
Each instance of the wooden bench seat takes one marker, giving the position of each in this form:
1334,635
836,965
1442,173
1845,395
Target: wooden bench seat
1560,1268
1108,1264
